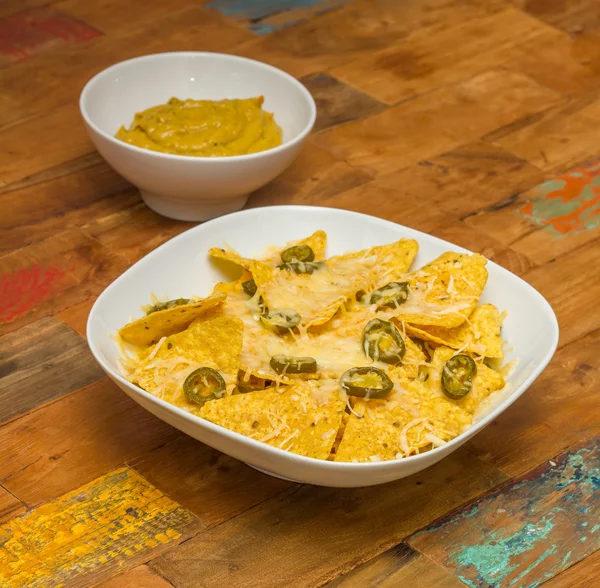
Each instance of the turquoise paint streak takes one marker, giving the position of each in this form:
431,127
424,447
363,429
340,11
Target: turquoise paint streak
257,9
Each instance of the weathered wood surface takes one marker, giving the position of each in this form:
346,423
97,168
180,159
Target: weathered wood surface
473,120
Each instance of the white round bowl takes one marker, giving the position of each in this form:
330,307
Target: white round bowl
184,187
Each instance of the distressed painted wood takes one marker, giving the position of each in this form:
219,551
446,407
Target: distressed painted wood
63,541
528,530
583,574
75,439
278,540
213,486
398,566
40,362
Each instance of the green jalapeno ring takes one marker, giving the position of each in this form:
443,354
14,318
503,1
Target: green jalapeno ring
286,364
203,384
382,341
249,287
168,304
297,253
457,376
392,294
281,320
301,267
351,382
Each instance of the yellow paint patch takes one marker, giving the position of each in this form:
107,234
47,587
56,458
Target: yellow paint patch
151,328
485,381
90,531
302,418
411,419
481,334
445,291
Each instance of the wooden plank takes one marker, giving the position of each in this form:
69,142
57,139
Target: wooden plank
561,139
554,218
51,80
141,577
583,574
280,540
425,62
436,122
76,316
557,412
51,275
527,531
205,481
10,506
74,440
314,176
151,230
35,210
399,566
41,362
574,16
361,26
81,538
337,102
29,32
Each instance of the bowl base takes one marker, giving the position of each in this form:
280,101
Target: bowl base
186,210
274,475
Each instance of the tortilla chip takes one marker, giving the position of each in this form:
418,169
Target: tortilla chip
151,328
485,382
292,419
413,358
481,334
215,343
445,291
413,418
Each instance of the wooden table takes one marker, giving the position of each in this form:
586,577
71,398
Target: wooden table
473,120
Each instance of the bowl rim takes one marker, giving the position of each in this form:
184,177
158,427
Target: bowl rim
88,88
301,460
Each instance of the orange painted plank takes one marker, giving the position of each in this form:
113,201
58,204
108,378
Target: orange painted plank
41,362
78,539
81,436
316,534
51,275
436,122
207,482
76,316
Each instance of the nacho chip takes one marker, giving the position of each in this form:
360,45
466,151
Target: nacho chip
445,291
215,343
151,328
301,418
413,418
480,334
485,382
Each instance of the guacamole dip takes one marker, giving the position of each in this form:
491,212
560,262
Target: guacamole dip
204,128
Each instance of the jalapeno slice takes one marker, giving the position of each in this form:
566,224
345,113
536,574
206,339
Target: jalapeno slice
297,253
381,341
457,376
301,267
169,304
366,382
203,384
281,320
286,364
392,294
249,287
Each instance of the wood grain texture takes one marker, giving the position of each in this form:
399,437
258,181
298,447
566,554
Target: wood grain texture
542,523
41,362
277,541
557,412
574,16
213,486
76,316
64,541
10,506
437,122
141,577
399,566
583,574
74,440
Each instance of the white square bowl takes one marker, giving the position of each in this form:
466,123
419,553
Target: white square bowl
182,268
